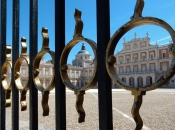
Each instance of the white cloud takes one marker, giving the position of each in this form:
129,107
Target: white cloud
168,37
162,7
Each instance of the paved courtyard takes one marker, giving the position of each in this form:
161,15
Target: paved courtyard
157,111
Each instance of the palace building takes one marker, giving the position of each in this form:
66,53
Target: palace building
81,70
138,64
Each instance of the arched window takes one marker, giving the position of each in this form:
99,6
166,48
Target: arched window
131,81
140,81
148,80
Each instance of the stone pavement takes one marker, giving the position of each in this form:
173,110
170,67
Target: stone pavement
157,111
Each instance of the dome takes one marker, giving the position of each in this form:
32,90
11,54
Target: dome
83,50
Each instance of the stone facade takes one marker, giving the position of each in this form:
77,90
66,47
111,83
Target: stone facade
81,70
139,63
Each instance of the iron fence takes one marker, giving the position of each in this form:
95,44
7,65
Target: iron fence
105,74
105,101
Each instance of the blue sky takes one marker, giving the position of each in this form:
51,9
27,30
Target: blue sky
120,13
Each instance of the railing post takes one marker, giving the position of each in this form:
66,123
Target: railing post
3,20
15,55
104,81
60,97
33,45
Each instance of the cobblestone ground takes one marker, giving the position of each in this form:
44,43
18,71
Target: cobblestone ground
157,111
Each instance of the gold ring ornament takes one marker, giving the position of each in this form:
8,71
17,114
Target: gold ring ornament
137,20
45,90
23,60
79,91
6,75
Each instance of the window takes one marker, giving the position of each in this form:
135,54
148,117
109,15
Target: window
128,70
47,72
127,60
152,67
151,57
143,68
164,67
86,74
120,61
135,68
77,74
135,58
143,57
90,73
164,55
121,70
72,74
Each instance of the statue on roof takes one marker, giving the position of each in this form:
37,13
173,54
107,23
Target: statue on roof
135,35
124,40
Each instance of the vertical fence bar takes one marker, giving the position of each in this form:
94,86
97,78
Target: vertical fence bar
104,81
33,40
60,97
3,20
15,55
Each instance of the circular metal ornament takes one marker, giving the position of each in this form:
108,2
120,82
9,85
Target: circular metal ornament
45,50
18,64
4,71
64,66
110,58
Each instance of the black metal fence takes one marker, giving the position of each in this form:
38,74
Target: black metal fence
104,81
103,36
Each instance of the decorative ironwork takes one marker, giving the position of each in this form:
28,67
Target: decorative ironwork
137,20
23,89
79,91
7,65
45,90
138,9
105,110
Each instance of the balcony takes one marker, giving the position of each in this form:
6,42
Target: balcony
73,76
149,59
139,72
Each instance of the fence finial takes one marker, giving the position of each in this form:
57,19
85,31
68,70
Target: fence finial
23,46
8,52
138,9
45,42
79,24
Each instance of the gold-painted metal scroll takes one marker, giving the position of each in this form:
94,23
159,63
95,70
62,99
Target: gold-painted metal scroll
79,91
6,75
44,90
137,20
17,68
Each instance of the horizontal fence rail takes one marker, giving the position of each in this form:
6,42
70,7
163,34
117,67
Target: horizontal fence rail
104,62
